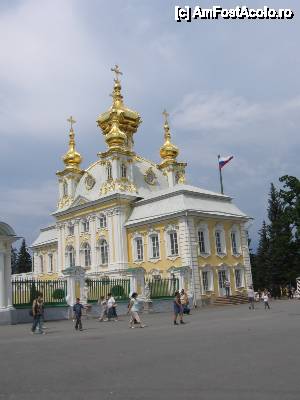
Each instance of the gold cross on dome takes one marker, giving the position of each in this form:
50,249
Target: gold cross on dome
117,71
72,121
165,114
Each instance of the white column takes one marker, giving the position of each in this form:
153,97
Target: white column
3,300
120,239
59,263
7,273
110,228
77,241
189,254
63,247
246,255
93,242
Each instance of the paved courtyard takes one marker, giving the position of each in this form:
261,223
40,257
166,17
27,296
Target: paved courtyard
221,353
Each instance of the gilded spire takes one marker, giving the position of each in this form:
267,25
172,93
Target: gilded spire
119,123
72,159
168,151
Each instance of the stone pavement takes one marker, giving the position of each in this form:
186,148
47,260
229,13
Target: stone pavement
221,353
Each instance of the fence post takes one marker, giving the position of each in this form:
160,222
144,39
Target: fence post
137,280
74,276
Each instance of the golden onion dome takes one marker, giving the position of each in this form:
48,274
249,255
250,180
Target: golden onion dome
168,150
127,120
72,158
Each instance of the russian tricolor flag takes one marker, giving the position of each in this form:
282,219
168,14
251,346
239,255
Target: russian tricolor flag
224,160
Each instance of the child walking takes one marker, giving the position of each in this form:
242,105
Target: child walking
103,315
177,308
266,300
133,310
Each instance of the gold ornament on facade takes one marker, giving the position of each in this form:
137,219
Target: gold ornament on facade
150,177
89,182
123,185
168,150
118,118
72,159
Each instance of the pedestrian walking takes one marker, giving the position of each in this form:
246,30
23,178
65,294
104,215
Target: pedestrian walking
77,309
251,297
227,287
133,310
103,305
266,300
177,309
111,308
184,298
37,313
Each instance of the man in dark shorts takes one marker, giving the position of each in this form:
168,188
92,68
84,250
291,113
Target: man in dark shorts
77,309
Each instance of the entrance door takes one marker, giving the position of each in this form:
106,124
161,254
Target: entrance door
222,278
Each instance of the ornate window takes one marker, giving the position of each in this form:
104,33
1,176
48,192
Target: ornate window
86,251
173,243
207,280
138,249
85,225
50,262
102,221
203,240
103,252
235,241
239,279
109,171
123,171
70,255
154,246
220,240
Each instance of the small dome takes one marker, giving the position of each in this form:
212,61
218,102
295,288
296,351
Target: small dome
168,150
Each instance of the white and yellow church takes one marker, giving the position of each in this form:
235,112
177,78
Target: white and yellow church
124,213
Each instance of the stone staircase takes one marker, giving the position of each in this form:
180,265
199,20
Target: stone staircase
234,299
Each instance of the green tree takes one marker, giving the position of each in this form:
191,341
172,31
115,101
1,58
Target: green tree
14,258
280,241
24,263
261,260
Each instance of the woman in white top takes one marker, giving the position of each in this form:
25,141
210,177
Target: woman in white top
133,310
266,300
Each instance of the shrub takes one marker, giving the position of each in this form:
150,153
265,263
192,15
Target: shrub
59,294
117,291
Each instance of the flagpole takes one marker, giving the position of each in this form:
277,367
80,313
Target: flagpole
220,173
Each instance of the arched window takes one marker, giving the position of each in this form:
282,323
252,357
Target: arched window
65,188
70,255
109,171
123,171
103,252
173,243
86,251
102,221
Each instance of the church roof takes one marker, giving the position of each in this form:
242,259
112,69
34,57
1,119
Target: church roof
47,235
6,230
183,198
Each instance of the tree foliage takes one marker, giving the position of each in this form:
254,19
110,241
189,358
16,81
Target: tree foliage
277,262
24,263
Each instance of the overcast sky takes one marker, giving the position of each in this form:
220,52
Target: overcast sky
231,87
